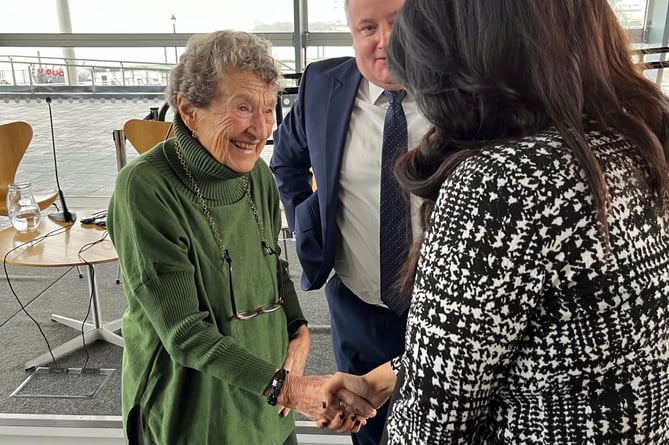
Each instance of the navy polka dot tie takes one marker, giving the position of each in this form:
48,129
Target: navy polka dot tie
395,220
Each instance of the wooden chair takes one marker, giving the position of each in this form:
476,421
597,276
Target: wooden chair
15,137
145,134
142,134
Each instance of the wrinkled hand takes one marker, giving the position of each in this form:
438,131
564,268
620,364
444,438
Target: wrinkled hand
305,395
296,357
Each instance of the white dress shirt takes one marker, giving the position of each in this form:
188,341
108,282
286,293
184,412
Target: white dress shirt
358,219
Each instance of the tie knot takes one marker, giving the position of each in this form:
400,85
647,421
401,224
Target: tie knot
395,97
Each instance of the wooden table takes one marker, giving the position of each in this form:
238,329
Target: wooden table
60,245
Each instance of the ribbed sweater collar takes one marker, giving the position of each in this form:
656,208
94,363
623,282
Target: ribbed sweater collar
216,181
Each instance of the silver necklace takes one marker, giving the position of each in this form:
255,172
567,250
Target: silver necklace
207,214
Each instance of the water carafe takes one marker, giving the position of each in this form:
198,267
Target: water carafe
24,213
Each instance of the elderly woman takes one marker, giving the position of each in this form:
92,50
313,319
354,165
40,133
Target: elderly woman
213,323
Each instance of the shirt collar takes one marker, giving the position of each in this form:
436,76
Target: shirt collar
374,91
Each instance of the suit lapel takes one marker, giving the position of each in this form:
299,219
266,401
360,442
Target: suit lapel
343,90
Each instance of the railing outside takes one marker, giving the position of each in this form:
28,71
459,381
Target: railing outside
30,70
34,74
35,70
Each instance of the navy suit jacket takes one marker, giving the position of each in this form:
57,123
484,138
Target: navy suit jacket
313,136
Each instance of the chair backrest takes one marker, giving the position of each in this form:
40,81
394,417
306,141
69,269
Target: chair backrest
15,138
145,134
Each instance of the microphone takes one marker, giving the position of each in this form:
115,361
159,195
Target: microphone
65,216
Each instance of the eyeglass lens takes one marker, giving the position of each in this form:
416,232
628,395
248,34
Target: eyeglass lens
265,309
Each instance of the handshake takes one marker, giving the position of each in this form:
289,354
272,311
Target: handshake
340,402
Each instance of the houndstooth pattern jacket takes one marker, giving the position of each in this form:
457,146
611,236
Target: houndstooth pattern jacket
524,328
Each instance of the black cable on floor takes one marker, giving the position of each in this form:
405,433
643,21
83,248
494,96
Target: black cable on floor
91,270
11,288
60,277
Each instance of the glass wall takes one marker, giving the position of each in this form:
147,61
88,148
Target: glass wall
631,13
132,42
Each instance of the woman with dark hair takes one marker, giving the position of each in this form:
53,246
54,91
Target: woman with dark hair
540,304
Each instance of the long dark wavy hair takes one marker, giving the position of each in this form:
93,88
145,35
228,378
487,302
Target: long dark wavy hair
485,70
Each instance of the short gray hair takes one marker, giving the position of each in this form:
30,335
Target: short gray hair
201,67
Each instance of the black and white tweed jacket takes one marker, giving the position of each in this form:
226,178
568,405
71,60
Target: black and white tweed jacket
524,328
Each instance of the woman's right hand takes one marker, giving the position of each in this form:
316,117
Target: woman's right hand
357,392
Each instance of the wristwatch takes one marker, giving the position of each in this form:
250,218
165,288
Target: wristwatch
277,384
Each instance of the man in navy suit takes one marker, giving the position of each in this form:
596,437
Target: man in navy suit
335,130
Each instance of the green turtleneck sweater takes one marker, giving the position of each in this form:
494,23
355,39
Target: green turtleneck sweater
198,374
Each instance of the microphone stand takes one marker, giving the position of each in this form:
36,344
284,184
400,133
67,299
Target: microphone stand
65,216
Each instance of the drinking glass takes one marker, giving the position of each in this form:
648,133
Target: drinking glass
24,213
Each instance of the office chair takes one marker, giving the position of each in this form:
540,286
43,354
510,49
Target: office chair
15,137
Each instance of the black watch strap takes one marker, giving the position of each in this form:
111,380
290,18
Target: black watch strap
277,384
